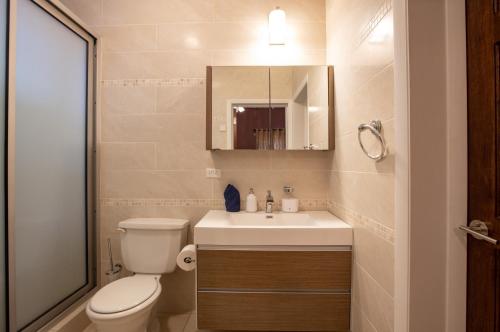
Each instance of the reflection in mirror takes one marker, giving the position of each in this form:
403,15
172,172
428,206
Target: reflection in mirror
270,108
308,105
258,127
236,87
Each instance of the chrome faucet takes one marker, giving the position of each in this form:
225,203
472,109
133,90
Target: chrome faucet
269,202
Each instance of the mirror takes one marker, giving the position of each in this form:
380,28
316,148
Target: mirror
270,108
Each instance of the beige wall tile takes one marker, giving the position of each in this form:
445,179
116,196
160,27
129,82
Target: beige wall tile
128,38
303,10
147,65
373,300
155,184
237,35
126,156
156,11
241,160
127,100
308,35
254,36
182,99
282,56
154,127
359,322
307,184
241,10
184,155
303,160
258,10
372,100
185,36
137,128
182,128
369,194
376,256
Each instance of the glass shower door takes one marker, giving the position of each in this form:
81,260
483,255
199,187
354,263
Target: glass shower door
52,159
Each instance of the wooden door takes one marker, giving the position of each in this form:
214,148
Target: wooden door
252,119
483,71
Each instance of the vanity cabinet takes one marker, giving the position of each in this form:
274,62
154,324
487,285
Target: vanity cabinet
274,289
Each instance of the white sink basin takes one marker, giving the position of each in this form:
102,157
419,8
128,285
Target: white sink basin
311,228
270,219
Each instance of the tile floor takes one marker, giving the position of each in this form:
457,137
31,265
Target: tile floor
170,323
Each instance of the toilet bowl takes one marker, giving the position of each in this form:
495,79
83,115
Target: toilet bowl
149,248
125,305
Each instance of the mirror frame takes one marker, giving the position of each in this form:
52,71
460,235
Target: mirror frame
331,110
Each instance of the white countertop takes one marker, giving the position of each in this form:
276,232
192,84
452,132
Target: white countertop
305,228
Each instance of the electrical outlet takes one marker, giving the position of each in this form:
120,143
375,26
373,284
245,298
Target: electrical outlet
213,173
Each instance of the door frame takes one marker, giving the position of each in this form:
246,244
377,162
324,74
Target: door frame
62,14
413,226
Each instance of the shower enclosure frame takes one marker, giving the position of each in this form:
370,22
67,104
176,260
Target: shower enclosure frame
57,11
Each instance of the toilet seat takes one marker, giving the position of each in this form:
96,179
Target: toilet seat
124,294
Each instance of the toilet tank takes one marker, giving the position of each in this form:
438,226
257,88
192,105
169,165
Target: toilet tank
151,245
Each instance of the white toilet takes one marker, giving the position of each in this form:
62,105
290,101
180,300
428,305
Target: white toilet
149,248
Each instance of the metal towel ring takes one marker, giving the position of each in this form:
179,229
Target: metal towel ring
375,126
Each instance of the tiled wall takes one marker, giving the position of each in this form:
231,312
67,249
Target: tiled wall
360,46
153,110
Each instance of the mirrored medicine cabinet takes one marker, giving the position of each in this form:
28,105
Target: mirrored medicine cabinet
270,108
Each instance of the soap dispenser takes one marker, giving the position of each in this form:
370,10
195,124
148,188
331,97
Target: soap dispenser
289,203
251,202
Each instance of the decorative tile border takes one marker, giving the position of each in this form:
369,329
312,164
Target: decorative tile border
152,83
357,220
349,216
117,202
304,204
375,20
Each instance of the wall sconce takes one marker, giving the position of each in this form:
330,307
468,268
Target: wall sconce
277,27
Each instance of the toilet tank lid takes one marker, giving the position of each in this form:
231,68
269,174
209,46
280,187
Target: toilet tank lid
153,223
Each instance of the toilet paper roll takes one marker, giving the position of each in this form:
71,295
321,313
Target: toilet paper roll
186,259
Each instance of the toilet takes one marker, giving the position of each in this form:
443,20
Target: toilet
149,249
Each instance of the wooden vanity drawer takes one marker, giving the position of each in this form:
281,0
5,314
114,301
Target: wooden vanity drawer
274,270
273,311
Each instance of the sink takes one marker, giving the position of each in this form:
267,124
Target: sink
270,219
311,228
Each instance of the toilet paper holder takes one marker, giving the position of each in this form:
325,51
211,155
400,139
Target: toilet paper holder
186,259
